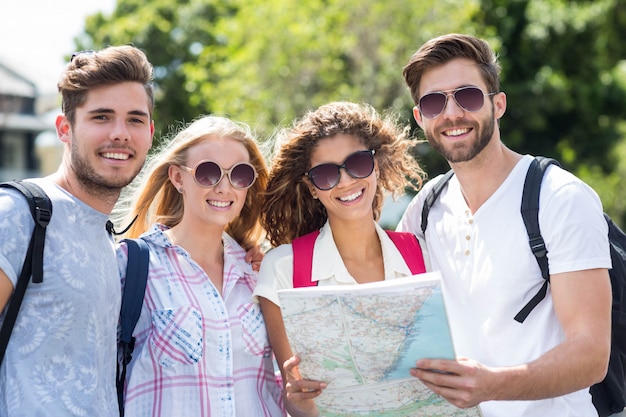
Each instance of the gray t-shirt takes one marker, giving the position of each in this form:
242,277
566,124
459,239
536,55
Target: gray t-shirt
61,358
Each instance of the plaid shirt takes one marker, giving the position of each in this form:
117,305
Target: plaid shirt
198,353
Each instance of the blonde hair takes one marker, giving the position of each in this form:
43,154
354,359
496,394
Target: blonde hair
152,198
289,210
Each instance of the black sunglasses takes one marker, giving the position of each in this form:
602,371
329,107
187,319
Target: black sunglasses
85,52
468,98
209,174
358,165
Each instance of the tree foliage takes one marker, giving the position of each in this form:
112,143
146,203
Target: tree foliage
563,73
265,62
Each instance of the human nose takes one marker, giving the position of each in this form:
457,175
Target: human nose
223,184
120,131
344,177
451,108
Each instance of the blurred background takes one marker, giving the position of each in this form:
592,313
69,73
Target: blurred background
265,62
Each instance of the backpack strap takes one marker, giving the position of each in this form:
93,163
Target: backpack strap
410,249
303,259
132,303
432,197
530,215
41,210
302,247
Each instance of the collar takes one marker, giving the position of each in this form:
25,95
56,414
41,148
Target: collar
234,254
327,262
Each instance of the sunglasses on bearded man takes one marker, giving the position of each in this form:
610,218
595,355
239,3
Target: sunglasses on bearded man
468,98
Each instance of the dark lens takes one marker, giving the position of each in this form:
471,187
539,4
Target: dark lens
208,174
324,176
470,98
360,164
242,176
432,104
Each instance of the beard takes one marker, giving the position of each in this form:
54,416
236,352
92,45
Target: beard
94,183
463,152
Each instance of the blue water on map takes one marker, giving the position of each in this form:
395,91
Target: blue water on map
429,337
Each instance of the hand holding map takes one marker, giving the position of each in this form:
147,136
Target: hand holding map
363,340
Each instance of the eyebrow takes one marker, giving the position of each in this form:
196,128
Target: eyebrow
111,111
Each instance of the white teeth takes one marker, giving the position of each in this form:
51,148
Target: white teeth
456,132
351,197
114,155
219,203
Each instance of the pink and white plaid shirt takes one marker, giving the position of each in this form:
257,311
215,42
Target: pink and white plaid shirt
197,353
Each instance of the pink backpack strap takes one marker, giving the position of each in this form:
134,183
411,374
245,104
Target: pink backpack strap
303,260
410,249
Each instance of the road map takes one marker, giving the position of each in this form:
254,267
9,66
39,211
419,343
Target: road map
363,339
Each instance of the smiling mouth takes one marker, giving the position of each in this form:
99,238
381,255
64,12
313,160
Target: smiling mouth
116,156
456,132
351,197
220,204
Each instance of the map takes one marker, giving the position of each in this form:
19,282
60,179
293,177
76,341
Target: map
363,339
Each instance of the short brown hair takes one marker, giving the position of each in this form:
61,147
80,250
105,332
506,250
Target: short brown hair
90,69
443,49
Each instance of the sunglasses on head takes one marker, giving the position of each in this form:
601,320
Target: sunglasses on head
85,52
468,98
209,174
358,165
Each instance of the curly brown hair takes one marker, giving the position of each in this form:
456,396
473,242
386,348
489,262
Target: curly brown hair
289,210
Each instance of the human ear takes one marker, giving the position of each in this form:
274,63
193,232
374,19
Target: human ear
175,177
63,128
418,117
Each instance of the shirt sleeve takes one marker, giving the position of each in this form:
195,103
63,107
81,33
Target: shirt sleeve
572,224
276,273
16,227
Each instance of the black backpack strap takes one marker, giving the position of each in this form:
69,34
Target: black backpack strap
432,197
41,210
132,303
530,215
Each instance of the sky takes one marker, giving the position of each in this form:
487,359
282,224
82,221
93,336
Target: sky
36,35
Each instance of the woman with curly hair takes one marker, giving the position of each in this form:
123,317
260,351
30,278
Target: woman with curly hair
330,175
201,346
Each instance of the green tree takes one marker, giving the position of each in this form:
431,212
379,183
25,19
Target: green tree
562,70
265,62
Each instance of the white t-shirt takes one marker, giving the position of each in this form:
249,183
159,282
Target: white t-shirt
489,272
62,355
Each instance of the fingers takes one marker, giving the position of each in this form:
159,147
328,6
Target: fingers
299,389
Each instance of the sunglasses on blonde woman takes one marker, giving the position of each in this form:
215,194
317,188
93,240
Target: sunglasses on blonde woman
209,174
468,98
358,165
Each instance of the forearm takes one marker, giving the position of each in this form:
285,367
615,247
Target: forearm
575,364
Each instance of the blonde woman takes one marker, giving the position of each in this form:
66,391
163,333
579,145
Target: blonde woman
201,345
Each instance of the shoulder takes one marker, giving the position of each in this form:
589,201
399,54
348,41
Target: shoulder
278,255
561,185
412,218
